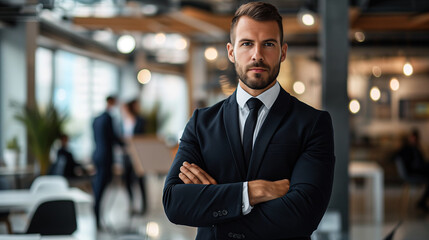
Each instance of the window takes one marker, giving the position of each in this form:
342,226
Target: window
80,86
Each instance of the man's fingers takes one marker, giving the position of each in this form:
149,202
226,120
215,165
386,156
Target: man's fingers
197,172
194,179
184,178
208,177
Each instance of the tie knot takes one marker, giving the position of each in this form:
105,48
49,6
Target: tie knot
254,103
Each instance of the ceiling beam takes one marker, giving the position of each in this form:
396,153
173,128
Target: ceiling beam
391,22
191,21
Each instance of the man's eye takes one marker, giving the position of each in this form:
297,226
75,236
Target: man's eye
268,44
246,44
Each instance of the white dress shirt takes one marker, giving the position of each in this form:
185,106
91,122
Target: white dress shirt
267,98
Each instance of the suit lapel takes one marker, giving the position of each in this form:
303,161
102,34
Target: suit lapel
277,112
230,119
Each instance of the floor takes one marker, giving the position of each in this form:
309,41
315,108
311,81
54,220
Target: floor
119,223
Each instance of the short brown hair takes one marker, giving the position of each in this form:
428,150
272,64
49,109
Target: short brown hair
258,11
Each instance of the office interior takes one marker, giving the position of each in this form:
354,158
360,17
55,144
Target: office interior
365,61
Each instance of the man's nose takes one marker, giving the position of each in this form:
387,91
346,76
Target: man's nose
257,54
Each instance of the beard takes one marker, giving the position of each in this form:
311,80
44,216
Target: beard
257,81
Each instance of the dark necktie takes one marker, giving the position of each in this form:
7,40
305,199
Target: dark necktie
249,127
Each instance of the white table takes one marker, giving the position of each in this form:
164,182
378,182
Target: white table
34,237
25,200
373,174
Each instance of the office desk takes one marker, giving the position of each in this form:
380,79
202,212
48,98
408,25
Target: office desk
373,174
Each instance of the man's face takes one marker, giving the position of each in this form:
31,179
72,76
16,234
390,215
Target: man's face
256,53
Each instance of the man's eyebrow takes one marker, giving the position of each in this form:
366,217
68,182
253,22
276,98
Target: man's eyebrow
266,40
246,40
271,40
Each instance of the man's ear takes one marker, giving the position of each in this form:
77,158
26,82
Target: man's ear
284,51
230,49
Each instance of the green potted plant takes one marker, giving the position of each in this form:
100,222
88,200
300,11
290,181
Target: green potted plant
43,128
11,153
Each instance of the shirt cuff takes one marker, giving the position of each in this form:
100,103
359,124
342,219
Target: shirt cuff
245,207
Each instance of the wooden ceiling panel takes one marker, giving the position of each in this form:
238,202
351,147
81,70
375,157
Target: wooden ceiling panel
190,21
390,23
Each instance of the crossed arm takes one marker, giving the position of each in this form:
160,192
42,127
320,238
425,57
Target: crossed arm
259,190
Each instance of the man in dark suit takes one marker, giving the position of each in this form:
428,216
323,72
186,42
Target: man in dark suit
105,138
258,165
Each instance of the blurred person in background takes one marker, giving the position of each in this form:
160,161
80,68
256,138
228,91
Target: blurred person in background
259,164
105,138
133,124
65,163
415,163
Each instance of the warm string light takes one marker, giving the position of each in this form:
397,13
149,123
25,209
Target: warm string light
210,53
299,87
394,84
354,106
126,44
144,76
407,69
375,93
360,36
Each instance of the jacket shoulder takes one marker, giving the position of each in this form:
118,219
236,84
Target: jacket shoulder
305,109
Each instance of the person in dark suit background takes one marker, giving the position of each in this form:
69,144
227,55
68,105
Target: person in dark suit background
105,138
65,164
415,163
133,124
260,164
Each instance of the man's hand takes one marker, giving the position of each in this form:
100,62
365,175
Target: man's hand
192,174
263,191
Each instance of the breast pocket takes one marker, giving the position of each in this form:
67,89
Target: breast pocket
279,161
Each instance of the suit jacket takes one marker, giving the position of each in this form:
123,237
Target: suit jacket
294,142
105,138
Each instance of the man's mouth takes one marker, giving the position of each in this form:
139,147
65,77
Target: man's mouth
257,70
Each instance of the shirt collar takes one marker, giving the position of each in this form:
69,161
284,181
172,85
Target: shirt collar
268,97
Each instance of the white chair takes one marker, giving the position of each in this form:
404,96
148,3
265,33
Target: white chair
49,183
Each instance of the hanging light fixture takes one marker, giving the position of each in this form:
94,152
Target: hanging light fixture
354,106
126,44
394,84
407,69
375,94
306,17
211,53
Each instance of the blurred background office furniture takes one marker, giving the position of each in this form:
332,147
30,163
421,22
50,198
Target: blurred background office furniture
49,184
53,217
17,173
4,218
23,202
373,175
408,181
150,154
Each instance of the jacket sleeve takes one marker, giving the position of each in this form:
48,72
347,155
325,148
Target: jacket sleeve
198,205
298,213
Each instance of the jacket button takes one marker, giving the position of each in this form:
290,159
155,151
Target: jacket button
224,212
215,214
219,213
230,235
